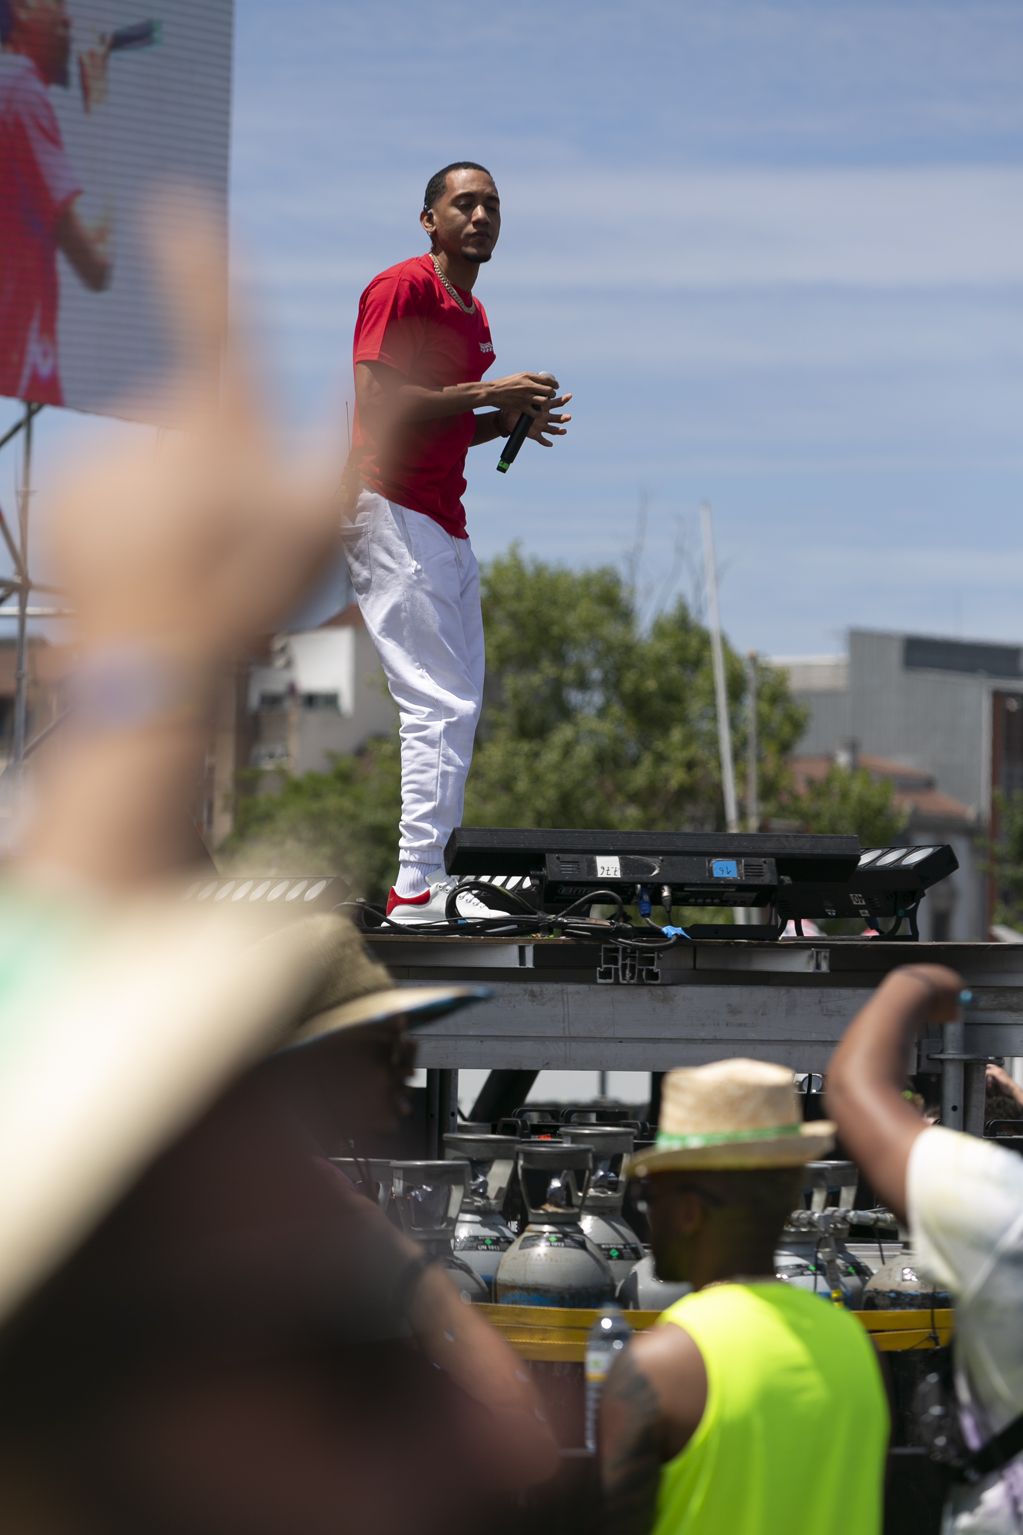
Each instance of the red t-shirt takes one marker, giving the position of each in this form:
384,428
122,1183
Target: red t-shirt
36,184
409,321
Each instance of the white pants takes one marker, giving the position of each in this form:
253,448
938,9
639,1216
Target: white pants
418,590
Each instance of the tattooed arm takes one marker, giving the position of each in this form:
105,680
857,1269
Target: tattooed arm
652,1403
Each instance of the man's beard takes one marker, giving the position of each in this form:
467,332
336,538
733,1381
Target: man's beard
477,260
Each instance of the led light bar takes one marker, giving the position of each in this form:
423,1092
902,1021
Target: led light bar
490,850
888,882
320,893
704,880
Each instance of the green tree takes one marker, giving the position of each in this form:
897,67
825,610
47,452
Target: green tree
850,801
340,821
1005,860
591,719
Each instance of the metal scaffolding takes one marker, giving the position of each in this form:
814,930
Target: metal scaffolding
17,589
564,1005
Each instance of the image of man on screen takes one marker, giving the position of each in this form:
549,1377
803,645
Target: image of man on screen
39,194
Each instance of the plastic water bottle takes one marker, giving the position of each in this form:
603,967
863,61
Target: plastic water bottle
608,1336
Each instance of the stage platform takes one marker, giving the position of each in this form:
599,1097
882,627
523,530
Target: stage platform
568,1004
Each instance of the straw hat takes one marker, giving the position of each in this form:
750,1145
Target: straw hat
731,1115
140,1019
355,990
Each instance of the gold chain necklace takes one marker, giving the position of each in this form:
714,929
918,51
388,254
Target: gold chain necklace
459,300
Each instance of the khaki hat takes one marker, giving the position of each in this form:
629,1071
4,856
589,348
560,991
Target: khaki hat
356,991
731,1115
141,1016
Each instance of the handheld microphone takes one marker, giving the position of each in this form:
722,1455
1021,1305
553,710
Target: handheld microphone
142,34
518,436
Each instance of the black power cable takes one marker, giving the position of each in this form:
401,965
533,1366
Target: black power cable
528,921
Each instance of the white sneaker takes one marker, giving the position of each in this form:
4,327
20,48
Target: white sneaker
431,905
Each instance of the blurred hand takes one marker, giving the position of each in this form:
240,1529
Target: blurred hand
999,1081
211,543
92,72
175,563
941,989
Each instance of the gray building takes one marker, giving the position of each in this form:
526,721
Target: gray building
948,711
321,694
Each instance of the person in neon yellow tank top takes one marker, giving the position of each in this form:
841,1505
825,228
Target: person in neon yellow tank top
752,1407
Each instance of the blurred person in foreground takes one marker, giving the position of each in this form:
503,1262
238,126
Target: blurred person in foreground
751,1404
171,1301
245,1343
962,1198
173,566
41,194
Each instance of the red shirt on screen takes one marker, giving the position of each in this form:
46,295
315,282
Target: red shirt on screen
37,183
409,321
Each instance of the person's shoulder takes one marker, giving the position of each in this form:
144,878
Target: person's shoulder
21,83
667,1347
943,1153
412,276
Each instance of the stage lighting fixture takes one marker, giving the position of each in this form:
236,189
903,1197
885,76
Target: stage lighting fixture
887,885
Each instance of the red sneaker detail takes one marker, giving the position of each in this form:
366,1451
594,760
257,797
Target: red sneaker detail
394,899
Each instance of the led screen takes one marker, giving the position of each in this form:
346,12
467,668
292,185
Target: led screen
103,103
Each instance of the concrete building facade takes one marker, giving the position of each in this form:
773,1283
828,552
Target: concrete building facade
946,712
310,696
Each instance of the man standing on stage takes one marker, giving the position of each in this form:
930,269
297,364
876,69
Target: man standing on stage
39,195
422,345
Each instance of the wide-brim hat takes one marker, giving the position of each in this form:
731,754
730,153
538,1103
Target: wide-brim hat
356,991
143,1017
731,1115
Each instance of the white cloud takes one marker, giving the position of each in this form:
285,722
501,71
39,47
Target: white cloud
912,228
875,228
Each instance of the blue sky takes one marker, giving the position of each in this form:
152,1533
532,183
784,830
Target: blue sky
776,249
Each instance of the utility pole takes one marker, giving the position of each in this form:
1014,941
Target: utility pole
710,575
752,747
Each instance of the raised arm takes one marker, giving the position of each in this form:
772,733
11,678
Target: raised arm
867,1075
87,242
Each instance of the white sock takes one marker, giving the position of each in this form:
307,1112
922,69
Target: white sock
413,878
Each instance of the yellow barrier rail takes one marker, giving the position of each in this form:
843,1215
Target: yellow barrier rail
557,1335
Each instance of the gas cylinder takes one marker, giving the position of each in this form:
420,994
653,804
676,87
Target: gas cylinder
427,1197
900,1285
552,1262
812,1255
481,1232
643,1291
602,1218
813,1252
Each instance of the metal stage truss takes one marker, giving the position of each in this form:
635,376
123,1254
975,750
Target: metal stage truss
562,1004
17,589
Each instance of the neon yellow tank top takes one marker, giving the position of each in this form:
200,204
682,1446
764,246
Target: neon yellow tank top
796,1424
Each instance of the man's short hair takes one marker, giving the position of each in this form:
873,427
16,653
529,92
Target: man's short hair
436,184
6,20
